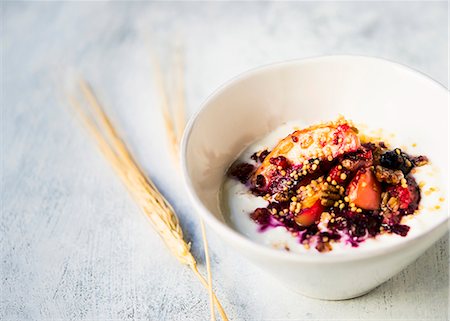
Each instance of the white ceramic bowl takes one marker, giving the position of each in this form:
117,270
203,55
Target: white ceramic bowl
373,91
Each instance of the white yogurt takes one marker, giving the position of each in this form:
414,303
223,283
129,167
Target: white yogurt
238,202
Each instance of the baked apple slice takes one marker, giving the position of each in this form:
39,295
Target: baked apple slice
317,143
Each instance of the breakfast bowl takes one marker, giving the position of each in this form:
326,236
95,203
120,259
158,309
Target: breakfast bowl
388,98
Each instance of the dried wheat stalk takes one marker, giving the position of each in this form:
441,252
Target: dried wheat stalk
175,122
156,208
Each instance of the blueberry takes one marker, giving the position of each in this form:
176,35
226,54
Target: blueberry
396,159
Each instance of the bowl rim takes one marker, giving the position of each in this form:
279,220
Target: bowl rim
229,233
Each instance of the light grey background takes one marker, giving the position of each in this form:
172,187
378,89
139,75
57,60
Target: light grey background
73,244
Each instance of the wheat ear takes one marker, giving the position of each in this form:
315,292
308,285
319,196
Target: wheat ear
156,208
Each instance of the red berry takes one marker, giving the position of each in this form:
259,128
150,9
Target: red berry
336,174
403,194
279,161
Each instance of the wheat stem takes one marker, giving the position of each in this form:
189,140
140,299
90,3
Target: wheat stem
159,212
175,124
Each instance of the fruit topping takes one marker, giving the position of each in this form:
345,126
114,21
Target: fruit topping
364,190
261,216
308,216
321,142
396,159
322,184
241,171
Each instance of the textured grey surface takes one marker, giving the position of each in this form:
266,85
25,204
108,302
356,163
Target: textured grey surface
73,244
